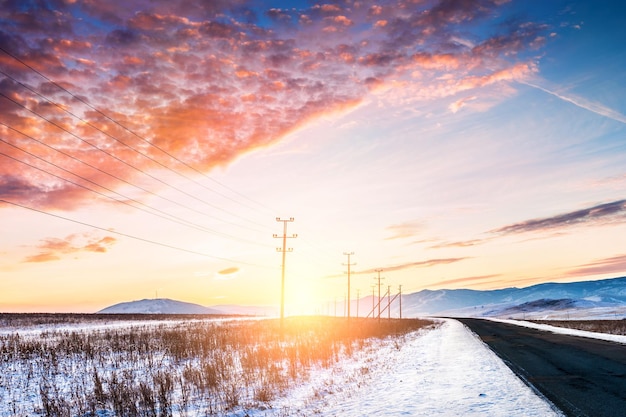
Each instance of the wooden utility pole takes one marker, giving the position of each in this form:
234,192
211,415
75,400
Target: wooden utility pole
389,301
284,250
379,279
348,254
400,293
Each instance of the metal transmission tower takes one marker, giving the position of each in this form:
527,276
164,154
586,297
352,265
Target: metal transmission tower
348,254
284,250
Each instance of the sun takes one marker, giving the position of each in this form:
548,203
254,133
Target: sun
305,298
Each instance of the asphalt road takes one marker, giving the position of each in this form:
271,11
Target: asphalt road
582,377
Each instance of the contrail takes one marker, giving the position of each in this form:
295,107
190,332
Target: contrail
584,104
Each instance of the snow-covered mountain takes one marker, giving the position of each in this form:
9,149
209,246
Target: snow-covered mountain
601,293
158,306
608,295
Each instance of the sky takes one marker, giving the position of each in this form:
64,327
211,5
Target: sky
152,149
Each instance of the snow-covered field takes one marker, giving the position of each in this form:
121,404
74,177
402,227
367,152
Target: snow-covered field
447,371
444,371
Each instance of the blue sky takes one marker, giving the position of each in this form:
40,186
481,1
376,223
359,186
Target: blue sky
453,144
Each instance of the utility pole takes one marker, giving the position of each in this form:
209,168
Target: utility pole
379,278
348,254
389,301
400,293
284,250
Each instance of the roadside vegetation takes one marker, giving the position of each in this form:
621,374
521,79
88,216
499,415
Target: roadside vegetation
599,326
172,368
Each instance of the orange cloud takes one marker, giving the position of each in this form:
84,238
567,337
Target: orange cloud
51,249
208,82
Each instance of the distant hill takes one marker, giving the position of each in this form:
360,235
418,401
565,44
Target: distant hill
607,298
158,306
606,293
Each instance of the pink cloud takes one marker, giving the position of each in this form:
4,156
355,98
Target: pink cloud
466,280
404,230
419,264
612,265
210,81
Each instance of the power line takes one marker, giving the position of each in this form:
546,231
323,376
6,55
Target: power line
147,156
165,215
125,128
137,135
112,155
107,173
132,236
148,142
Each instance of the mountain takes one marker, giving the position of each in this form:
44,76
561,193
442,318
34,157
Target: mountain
607,298
158,306
604,293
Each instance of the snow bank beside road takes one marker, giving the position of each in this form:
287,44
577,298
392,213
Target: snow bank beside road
563,330
444,372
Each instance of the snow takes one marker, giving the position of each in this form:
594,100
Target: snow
442,371
562,330
447,371
158,306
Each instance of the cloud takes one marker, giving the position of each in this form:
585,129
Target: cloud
404,230
52,248
612,265
227,273
208,82
459,244
42,257
596,215
466,279
583,103
460,103
420,264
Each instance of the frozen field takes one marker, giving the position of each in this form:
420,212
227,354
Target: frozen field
443,371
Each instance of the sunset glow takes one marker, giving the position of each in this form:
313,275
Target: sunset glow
147,148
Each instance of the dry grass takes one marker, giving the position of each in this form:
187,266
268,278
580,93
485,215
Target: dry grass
599,326
172,368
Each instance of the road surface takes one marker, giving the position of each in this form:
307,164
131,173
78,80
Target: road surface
582,377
